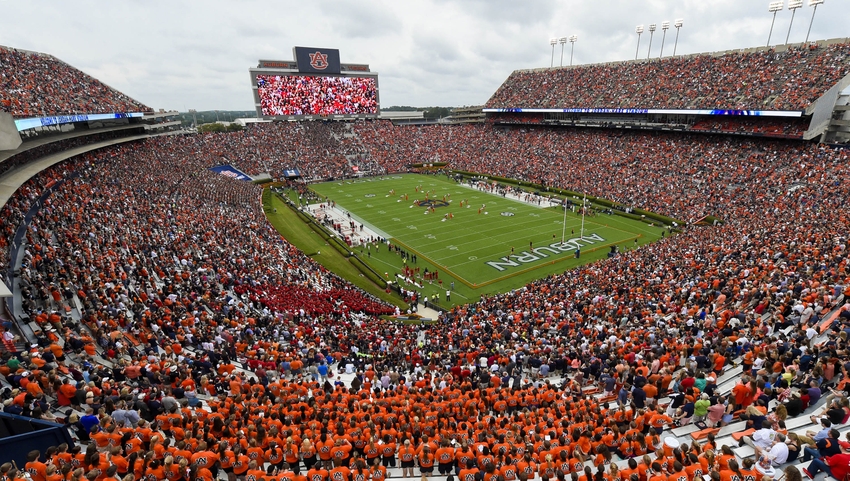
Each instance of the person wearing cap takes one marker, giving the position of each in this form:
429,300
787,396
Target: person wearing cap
823,433
33,387
794,405
701,408
837,466
11,407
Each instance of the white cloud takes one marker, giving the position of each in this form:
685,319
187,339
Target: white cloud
194,54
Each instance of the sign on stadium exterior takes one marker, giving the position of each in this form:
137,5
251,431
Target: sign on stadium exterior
751,113
33,122
314,86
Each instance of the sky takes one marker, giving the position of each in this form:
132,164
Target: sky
196,54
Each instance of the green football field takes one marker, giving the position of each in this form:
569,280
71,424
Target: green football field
491,244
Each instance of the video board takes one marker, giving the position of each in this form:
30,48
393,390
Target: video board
316,85
299,95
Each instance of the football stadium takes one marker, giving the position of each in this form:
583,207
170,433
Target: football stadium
633,270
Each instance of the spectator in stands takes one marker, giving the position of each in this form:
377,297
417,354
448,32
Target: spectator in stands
837,466
186,293
37,85
824,447
694,82
824,431
778,452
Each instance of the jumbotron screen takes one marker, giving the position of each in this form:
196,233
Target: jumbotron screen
282,95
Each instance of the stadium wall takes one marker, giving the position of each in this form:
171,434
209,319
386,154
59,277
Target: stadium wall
19,435
10,138
822,109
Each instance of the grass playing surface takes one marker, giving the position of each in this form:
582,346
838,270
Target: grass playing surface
508,244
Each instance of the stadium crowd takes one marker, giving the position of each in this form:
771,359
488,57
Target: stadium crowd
314,148
780,128
783,128
34,84
44,150
181,338
179,280
760,80
303,95
646,170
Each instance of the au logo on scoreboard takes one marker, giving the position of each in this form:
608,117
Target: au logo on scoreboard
317,60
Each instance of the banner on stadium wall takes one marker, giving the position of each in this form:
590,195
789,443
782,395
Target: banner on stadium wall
751,113
232,172
31,123
317,60
291,173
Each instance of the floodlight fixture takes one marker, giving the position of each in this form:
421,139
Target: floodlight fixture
665,25
638,30
678,25
793,5
573,40
562,41
652,28
553,41
774,7
812,3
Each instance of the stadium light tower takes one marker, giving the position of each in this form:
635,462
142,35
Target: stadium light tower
638,30
651,33
812,3
553,42
573,39
563,41
678,25
774,7
665,25
793,5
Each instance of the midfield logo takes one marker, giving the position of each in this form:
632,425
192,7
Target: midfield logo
433,203
319,60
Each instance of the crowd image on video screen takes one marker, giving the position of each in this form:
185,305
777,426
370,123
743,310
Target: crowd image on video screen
307,95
